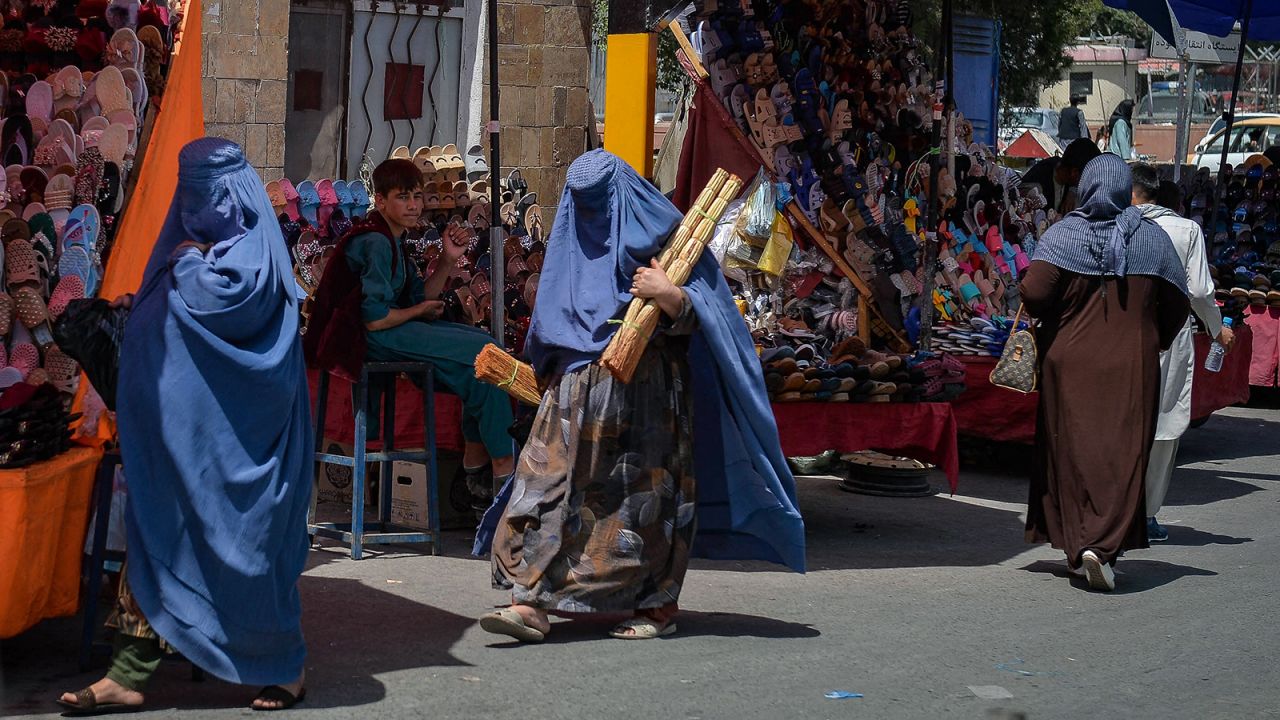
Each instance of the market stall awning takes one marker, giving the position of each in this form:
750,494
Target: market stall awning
1034,145
1214,17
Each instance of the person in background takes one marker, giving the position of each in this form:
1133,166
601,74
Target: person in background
1120,131
1058,176
1071,122
1110,294
1158,202
215,431
372,278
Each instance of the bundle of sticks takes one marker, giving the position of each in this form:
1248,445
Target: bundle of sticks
517,378
623,353
678,259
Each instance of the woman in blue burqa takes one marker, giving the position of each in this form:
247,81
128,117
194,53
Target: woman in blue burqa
214,423
611,493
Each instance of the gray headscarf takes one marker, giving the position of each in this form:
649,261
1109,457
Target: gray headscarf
1106,236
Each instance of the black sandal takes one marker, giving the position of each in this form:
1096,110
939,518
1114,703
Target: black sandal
275,693
87,704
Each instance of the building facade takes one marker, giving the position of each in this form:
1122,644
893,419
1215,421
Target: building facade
316,88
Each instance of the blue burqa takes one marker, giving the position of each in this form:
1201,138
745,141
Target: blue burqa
611,222
214,417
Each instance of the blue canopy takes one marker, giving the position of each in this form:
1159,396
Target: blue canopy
1214,17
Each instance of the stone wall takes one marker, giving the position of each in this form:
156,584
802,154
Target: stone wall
246,64
543,68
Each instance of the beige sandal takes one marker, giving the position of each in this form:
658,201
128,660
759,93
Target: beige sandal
508,621
640,628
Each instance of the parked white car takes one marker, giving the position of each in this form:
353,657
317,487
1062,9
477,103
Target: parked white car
1247,138
1220,123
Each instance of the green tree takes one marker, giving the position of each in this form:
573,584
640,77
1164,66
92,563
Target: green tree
1034,37
670,75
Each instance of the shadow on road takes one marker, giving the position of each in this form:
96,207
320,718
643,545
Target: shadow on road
1204,487
1191,537
1132,576
717,624
595,628
354,633
851,531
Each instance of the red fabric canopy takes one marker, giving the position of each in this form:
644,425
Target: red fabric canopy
712,141
923,431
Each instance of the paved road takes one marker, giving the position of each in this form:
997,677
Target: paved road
928,607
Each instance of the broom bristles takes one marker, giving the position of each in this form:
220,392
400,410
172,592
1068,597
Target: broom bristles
516,378
677,259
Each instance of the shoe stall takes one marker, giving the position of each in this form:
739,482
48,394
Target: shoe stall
835,108
1244,256
88,122
1237,212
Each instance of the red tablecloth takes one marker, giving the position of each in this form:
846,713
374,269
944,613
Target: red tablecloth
340,424
994,413
1265,324
1211,392
986,411
924,431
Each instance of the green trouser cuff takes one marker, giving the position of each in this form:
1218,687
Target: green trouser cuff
134,660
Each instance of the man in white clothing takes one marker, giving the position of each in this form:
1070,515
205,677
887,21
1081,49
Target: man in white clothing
1177,364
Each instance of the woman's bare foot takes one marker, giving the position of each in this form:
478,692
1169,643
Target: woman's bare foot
296,688
106,692
535,618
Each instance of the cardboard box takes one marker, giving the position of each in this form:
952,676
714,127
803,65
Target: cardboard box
409,493
408,490
333,482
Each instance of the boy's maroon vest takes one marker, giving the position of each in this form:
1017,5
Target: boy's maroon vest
335,337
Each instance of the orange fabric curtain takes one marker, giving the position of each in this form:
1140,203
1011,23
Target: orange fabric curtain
180,120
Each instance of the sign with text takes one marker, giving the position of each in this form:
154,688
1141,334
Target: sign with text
1200,48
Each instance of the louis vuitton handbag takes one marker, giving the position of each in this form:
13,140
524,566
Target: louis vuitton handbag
1016,369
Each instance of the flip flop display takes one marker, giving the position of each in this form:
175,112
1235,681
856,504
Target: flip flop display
72,108
452,196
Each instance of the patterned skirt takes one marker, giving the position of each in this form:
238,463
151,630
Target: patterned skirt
601,516
126,617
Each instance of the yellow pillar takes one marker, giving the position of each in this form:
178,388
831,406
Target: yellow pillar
631,79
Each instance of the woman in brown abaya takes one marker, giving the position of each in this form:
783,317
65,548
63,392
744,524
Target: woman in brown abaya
1110,294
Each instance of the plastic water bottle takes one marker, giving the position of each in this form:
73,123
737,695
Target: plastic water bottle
1213,363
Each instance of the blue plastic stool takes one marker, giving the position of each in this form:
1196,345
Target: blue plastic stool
384,532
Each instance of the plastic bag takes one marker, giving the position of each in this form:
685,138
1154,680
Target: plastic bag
90,332
774,258
758,215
